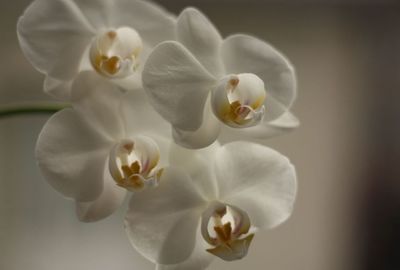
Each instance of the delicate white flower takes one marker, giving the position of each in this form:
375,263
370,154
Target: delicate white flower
63,37
202,81
107,143
211,204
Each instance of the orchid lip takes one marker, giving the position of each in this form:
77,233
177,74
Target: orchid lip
238,100
227,229
133,163
115,53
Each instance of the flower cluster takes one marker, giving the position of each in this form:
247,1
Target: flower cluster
167,112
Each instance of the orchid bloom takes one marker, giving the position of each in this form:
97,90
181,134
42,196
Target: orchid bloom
107,143
201,81
113,37
210,203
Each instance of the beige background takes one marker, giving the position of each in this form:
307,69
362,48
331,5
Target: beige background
347,61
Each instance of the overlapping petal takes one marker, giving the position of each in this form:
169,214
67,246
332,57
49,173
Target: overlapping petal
257,179
162,222
99,100
201,38
247,54
109,200
54,34
200,259
177,85
204,136
74,144
71,154
152,21
284,124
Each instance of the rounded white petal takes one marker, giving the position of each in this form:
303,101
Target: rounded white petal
72,154
204,136
109,200
141,118
287,122
54,35
247,54
200,259
99,100
162,222
198,164
258,180
177,85
196,32
60,90
152,21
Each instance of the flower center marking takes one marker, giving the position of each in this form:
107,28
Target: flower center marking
227,229
115,53
133,164
238,100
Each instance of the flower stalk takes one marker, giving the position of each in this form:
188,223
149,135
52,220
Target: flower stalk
29,109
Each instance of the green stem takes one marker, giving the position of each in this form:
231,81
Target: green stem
30,109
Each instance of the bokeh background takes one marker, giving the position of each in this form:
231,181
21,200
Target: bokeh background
347,215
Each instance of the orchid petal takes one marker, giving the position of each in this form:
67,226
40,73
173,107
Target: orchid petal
207,133
99,100
109,200
60,90
197,164
72,165
198,260
177,85
141,118
287,122
201,38
53,35
162,222
257,179
247,54
152,21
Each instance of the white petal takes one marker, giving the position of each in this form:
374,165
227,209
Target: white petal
287,122
177,85
152,21
246,54
162,222
198,164
109,200
201,38
99,100
258,180
60,90
72,155
200,259
141,118
53,35
207,133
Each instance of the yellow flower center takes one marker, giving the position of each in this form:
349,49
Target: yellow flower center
115,53
238,100
226,228
133,163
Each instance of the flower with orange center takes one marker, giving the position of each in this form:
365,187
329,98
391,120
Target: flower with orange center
208,88
209,203
108,143
64,37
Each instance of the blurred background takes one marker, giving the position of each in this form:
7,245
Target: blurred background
347,215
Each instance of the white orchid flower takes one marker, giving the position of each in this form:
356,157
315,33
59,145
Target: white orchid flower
107,143
211,204
202,81
63,37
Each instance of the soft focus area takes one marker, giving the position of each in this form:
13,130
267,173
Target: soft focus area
347,214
